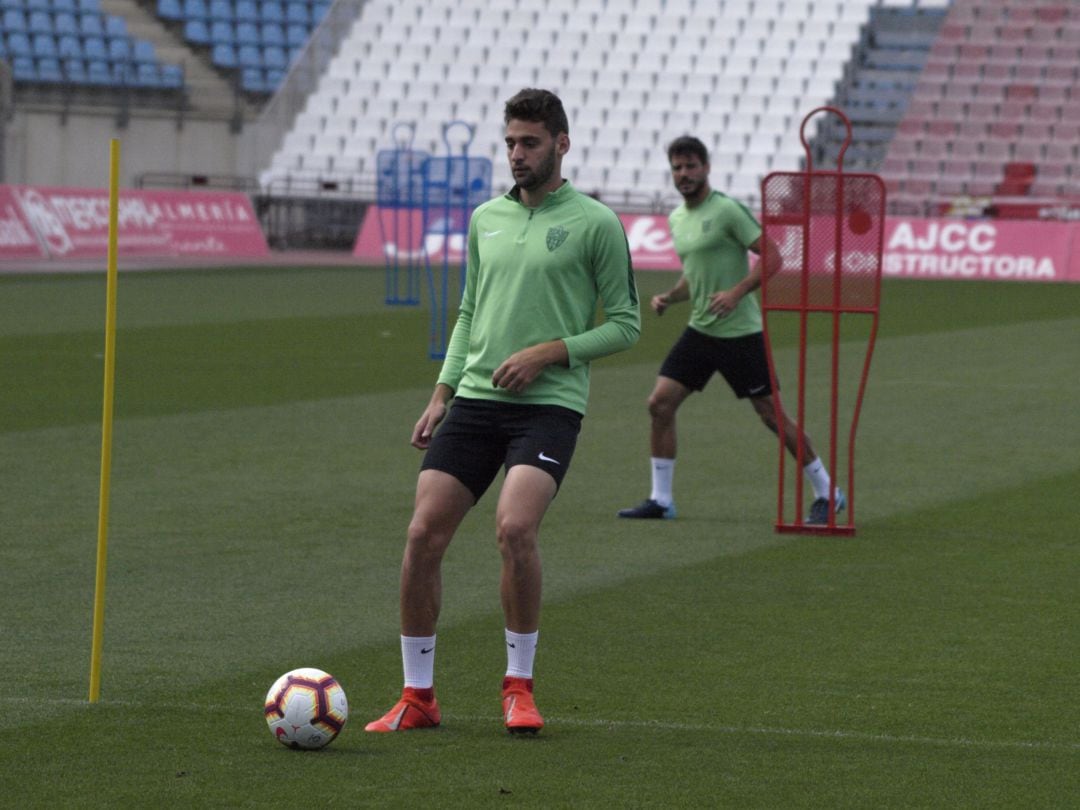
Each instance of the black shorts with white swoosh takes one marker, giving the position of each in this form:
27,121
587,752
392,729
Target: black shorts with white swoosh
742,361
479,436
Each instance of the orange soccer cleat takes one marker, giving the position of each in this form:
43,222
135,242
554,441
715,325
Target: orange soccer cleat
519,709
416,709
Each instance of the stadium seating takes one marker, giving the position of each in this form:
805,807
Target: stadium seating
253,41
740,74
52,42
994,112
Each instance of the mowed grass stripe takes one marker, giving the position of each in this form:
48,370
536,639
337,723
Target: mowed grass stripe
207,505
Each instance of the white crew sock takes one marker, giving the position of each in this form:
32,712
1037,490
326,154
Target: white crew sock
663,474
520,651
418,660
819,477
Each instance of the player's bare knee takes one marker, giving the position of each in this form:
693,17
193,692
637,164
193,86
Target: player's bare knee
425,539
516,538
661,408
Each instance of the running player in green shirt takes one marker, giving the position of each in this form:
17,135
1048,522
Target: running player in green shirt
712,235
540,260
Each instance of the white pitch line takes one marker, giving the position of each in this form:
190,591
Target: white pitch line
662,725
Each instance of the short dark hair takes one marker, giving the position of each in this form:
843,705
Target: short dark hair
688,145
541,106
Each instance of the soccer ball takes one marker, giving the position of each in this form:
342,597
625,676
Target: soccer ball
306,708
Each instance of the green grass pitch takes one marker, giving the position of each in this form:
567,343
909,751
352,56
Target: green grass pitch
262,481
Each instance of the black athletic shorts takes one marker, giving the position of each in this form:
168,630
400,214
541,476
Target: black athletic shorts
478,436
742,360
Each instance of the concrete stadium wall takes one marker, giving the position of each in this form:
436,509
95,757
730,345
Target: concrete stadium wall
42,148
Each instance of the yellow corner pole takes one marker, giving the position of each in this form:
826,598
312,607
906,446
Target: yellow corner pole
106,423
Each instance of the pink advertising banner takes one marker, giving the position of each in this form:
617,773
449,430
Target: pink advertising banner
1001,250
73,223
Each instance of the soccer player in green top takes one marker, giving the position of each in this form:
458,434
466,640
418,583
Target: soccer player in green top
540,260
712,235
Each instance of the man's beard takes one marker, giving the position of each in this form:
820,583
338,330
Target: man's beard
541,174
691,188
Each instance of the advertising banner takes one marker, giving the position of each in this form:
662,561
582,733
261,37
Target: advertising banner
73,223
995,250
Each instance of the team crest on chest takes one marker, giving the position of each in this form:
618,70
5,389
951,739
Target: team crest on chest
555,237
706,225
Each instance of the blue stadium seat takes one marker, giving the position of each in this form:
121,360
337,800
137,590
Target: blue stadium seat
44,45
273,78
196,10
318,11
94,48
12,21
69,6
249,56
90,25
48,70
171,75
272,34
123,73
120,49
39,22
22,69
247,10
36,5
170,9
296,35
97,72
65,22
115,26
274,57
297,13
272,11
147,75
221,10
221,31
247,33
197,32
69,47
18,44
223,55
75,71
90,6
251,79
142,51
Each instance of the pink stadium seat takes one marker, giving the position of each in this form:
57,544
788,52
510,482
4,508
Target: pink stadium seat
942,127
951,109
1013,110
1004,130
982,110
951,186
894,167
1063,153
911,126
966,148
932,148
1028,151
996,150
1038,131
959,169
922,167
971,131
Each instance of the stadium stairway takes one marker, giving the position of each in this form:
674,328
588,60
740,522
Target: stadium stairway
210,95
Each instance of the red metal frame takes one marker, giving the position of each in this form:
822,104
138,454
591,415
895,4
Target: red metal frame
836,308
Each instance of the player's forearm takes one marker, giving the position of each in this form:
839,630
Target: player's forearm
680,292
442,394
